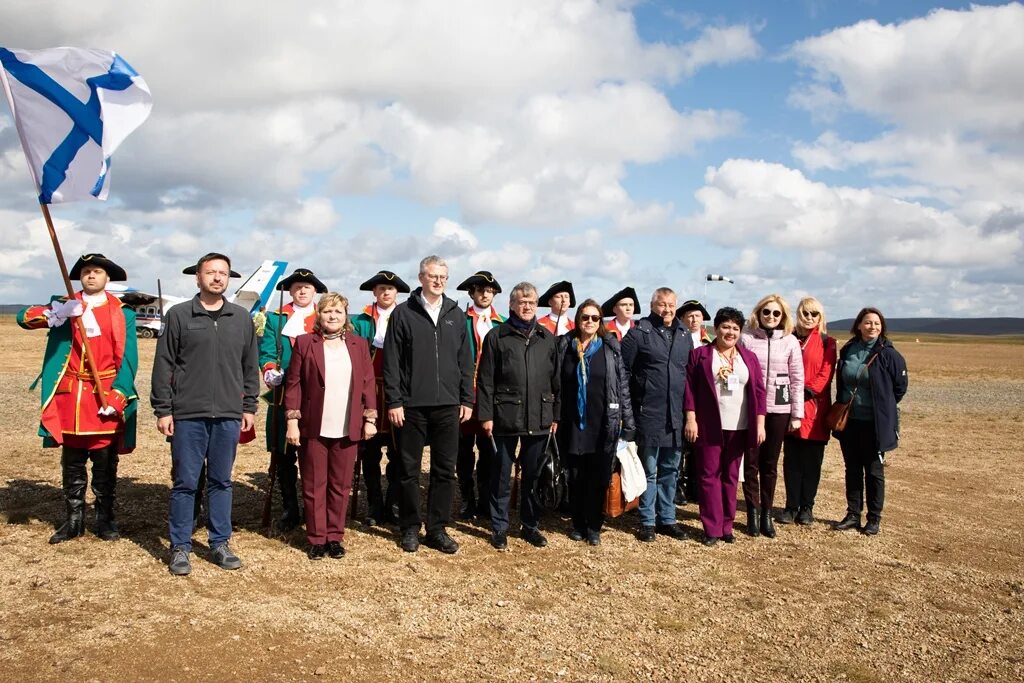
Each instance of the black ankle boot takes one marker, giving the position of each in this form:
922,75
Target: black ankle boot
287,478
767,526
73,478
104,487
753,524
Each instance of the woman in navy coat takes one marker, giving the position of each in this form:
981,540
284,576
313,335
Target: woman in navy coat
725,409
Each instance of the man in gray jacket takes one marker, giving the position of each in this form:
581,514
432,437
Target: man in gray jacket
204,390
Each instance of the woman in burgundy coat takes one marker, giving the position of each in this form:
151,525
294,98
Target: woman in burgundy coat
725,409
330,404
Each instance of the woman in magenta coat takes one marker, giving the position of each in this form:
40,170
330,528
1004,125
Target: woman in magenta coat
725,409
330,404
805,448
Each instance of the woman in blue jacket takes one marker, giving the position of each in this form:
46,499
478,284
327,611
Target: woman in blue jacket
874,374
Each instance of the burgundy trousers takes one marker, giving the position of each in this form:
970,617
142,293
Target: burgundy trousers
718,470
327,466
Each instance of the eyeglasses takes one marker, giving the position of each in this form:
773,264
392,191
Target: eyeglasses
769,313
811,314
523,303
436,278
587,318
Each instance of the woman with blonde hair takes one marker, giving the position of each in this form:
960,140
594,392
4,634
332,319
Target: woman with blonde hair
330,404
805,447
769,335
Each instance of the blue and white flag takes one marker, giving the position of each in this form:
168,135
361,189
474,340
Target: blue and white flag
72,107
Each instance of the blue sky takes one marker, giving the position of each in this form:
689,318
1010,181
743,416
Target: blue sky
868,153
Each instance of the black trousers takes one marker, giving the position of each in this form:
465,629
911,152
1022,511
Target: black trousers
761,465
864,465
468,461
287,479
437,427
589,474
371,452
801,470
531,453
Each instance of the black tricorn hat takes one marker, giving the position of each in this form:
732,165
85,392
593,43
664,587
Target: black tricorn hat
191,270
482,278
692,305
302,275
557,288
385,277
624,293
115,272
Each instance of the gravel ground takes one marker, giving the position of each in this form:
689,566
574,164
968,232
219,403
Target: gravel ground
938,595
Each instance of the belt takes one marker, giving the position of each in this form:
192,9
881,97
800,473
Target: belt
86,376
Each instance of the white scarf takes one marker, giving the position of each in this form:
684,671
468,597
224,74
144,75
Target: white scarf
383,315
296,324
482,321
92,326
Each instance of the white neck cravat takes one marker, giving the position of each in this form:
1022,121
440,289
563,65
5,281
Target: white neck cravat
561,323
383,316
296,324
92,326
482,317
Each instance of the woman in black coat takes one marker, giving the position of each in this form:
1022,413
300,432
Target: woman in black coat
874,374
595,412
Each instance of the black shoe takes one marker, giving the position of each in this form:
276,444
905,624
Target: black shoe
646,534
593,538
805,517
671,530
753,524
440,540
787,516
871,528
288,522
534,538
410,540
709,541
850,521
499,540
575,535
316,551
370,521
335,550
681,495
767,526
729,538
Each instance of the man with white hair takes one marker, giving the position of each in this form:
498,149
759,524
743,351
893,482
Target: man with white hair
428,385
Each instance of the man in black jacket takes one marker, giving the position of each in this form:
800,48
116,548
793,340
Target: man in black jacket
428,385
518,403
656,353
204,389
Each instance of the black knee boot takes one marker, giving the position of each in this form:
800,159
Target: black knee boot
72,462
104,487
287,478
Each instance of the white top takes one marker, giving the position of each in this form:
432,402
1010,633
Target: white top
622,328
732,396
482,321
337,389
433,311
383,316
562,323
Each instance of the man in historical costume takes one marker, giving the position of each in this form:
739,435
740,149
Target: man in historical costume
72,414
621,307
205,387
282,327
481,318
559,298
372,325
692,314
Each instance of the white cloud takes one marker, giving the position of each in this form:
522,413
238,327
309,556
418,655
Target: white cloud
311,216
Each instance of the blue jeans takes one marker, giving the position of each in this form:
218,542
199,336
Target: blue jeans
657,503
195,441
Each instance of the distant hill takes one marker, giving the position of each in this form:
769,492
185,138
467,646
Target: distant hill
11,309
978,326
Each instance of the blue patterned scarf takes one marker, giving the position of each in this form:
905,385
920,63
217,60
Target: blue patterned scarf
583,375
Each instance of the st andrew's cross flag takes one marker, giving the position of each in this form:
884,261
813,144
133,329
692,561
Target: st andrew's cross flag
72,107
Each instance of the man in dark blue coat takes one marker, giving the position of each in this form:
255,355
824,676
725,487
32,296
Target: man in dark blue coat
656,352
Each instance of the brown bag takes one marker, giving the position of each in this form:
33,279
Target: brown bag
839,413
614,502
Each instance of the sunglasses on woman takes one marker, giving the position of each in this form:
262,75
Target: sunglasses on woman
769,313
811,314
587,318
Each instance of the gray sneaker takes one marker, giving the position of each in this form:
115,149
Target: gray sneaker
224,558
179,565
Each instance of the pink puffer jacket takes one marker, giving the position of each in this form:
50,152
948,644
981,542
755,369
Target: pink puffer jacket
782,369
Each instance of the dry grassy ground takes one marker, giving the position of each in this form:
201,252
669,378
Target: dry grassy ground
937,596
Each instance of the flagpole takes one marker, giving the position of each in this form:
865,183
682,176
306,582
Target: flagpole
86,351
